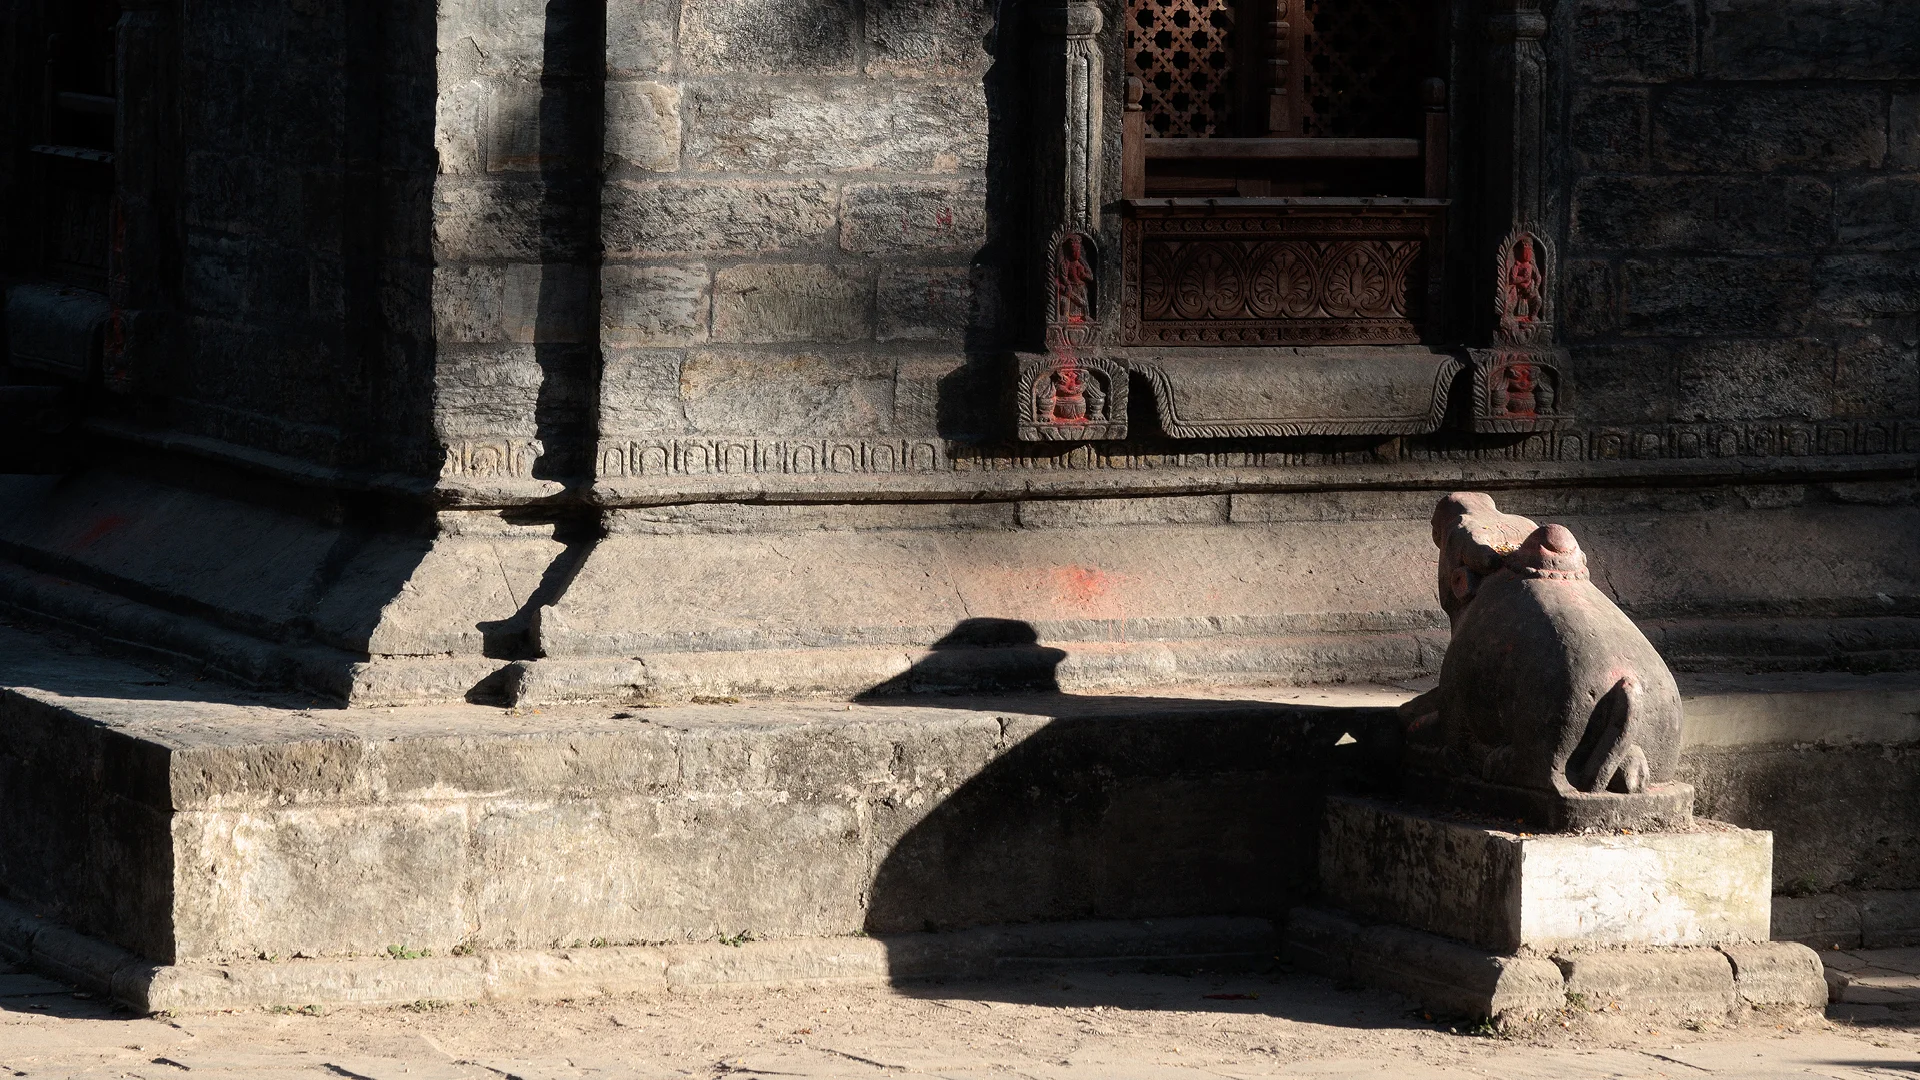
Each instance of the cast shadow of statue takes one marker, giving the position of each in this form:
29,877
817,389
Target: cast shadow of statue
1109,807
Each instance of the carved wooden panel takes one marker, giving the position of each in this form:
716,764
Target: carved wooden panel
1363,63
1183,50
1279,273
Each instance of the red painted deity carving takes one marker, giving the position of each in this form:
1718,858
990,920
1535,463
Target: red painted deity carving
1524,284
1072,282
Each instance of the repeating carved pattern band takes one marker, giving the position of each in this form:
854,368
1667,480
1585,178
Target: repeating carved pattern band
1278,275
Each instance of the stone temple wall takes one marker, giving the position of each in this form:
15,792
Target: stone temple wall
625,285
263,270
1742,195
792,200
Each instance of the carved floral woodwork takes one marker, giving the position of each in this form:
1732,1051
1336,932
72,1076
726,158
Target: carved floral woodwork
1278,273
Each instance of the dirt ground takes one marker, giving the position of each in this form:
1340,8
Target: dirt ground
1053,1026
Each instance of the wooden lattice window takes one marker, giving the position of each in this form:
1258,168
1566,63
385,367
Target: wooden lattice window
1288,183
72,149
1361,65
1184,51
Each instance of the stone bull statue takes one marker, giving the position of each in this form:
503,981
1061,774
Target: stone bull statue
1552,707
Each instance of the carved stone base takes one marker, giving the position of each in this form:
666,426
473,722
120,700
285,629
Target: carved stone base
1508,890
1661,806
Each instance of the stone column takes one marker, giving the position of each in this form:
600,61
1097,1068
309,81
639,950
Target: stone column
1070,84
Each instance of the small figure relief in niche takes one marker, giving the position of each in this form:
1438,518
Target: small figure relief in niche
1524,274
1523,390
1071,297
1070,395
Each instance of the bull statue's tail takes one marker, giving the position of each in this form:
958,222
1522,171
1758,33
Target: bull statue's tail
1608,758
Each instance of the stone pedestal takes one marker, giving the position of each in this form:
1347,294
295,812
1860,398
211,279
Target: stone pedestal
1508,891
1467,918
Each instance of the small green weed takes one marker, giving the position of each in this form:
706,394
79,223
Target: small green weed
1577,1001
401,952
736,940
427,1005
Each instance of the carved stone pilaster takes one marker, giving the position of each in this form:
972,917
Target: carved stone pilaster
1068,394
1072,85
140,326
1519,377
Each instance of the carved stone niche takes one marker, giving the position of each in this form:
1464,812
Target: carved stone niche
1072,399
1284,232
1520,384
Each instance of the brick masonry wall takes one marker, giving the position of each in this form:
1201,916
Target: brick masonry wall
1743,216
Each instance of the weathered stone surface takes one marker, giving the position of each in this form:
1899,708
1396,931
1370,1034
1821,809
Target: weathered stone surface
1889,918
1676,982
924,303
547,303
896,217
1633,383
643,125
786,393
760,303
943,395
653,218
1777,973
1821,921
1823,840
1903,132
917,37
490,391
1720,214
1743,380
903,127
654,305
1453,979
1811,39
1633,40
1879,214
523,221
499,37
1859,288
1077,513
1503,891
1610,129
468,304
1701,296
640,37
1877,373
1714,130
750,36
640,392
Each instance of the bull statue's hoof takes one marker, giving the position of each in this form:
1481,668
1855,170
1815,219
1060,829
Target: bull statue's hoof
1553,708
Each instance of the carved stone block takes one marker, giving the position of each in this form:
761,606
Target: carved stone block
1518,390
1063,398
